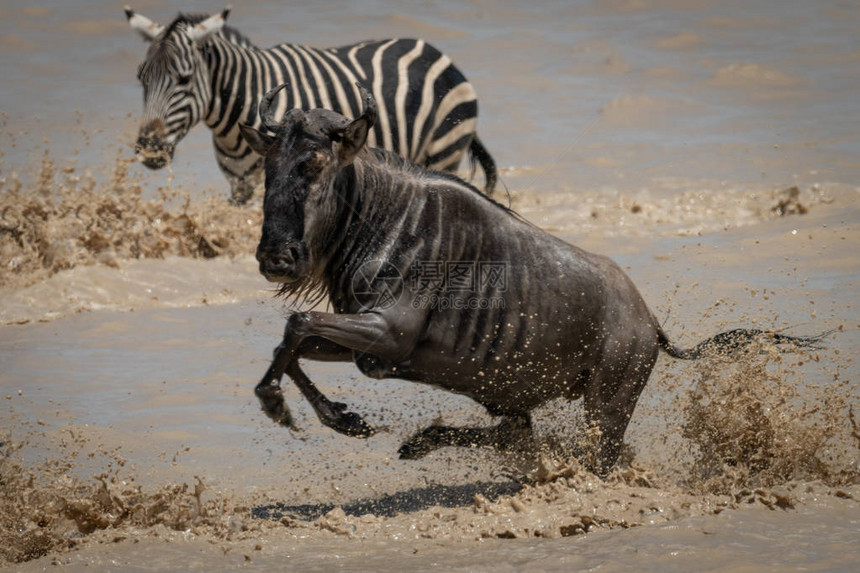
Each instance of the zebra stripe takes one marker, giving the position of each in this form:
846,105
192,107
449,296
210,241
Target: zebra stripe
427,109
402,87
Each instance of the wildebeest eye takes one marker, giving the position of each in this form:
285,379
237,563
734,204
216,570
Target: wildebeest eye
316,162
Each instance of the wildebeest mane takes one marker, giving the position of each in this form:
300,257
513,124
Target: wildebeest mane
312,289
397,161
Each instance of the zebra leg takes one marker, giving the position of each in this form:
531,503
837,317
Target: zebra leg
241,190
243,174
509,432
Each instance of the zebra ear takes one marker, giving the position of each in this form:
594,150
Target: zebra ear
260,142
209,26
148,29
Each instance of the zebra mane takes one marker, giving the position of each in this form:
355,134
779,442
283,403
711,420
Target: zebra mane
229,32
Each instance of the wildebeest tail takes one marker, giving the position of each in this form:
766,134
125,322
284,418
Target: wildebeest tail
479,153
731,340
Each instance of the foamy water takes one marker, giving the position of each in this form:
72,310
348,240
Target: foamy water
708,147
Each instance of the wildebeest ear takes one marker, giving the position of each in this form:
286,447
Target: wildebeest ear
259,141
147,29
353,139
355,134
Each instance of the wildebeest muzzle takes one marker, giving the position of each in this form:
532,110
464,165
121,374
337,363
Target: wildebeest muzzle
282,265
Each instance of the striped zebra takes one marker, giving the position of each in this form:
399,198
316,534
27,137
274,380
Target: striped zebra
197,68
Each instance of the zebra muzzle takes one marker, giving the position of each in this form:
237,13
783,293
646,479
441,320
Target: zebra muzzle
151,147
153,153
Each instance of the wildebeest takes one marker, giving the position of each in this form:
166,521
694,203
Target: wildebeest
392,246
198,69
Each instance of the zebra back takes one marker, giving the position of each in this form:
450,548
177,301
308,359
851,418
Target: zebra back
427,108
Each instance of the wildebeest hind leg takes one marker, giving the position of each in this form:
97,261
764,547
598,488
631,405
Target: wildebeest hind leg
511,430
610,403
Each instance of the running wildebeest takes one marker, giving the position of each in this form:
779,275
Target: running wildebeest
394,247
199,69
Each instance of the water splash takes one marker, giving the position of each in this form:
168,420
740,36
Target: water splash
62,219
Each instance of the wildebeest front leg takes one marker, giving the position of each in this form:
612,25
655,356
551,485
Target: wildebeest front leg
509,431
322,336
271,397
332,414
269,392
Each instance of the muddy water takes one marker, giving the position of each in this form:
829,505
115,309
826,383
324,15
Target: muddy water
706,146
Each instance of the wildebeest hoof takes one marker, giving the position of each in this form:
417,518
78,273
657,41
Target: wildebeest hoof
420,444
286,420
273,404
348,423
413,451
280,413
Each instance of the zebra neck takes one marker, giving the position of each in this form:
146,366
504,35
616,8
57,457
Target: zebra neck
227,56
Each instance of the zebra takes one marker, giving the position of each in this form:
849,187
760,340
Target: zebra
198,69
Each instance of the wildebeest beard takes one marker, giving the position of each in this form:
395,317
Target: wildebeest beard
309,291
327,238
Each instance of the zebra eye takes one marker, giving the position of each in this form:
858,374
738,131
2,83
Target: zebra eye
184,80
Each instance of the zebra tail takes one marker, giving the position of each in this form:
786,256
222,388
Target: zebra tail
479,153
731,340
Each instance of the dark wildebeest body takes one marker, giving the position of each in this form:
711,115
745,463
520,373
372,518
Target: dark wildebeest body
565,323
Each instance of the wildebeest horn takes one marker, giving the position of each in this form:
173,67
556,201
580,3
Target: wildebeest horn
369,112
266,111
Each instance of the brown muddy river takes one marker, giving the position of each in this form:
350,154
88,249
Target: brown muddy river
711,148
